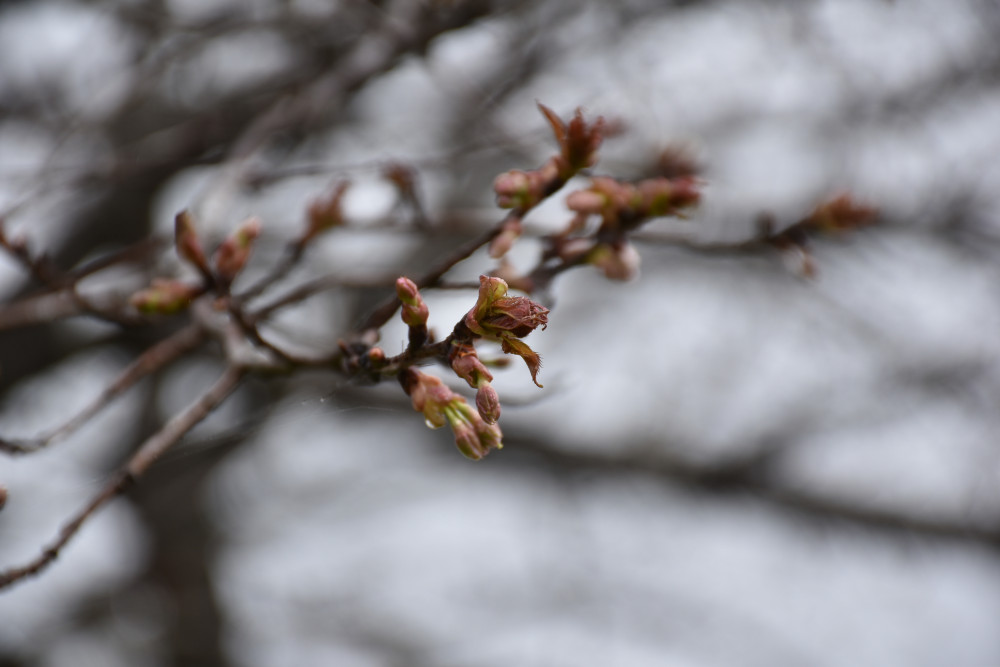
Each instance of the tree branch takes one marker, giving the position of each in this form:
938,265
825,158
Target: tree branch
150,451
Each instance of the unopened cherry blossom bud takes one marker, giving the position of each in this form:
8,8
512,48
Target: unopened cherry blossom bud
439,405
325,213
232,255
187,243
840,214
466,364
473,436
3,496
414,312
586,201
512,189
488,403
428,394
490,436
165,297
408,292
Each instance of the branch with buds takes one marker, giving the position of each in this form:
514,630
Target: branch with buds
603,218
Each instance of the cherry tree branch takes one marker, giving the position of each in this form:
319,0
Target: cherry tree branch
152,449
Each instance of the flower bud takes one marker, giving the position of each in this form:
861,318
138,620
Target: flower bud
488,403
428,394
232,255
466,364
165,297
840,214
512,189
187,243
439,405
507,319
473,437
3,496
325,213
414,312
496,315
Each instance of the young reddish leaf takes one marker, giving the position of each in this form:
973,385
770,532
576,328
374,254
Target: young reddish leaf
520,348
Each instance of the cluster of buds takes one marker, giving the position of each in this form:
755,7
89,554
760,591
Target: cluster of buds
232,255
467,365
440,405
414,312
507,319
168,296
578,143
325,213
622,206
495,316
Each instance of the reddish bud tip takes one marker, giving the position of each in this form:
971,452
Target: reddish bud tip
407,291
233,254
325,213
187,243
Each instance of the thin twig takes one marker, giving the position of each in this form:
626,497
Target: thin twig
150,361
150,451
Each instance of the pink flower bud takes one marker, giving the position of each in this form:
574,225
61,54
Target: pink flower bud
414,311
232,255
488,403
586,201
473,437
429,396
407,291
325,213
512,189
439,405
187,243
466,364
